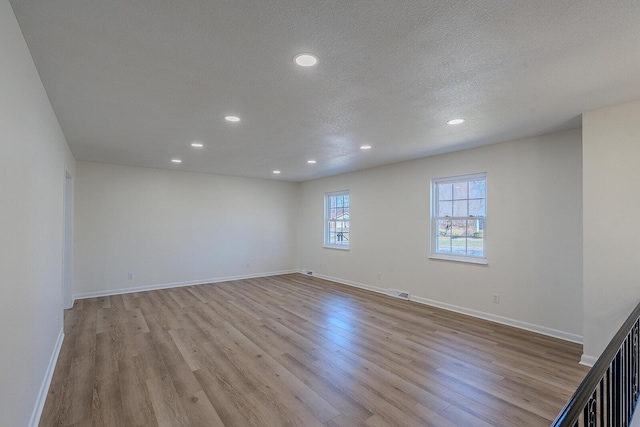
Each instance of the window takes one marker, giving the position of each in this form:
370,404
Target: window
459,218
336,219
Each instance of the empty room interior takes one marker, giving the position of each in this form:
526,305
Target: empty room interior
178,180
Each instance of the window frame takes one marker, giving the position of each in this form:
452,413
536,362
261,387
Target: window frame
433,254
327,227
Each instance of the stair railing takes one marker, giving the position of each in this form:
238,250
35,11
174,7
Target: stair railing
608,395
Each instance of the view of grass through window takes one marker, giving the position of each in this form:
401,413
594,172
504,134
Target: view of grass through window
459,215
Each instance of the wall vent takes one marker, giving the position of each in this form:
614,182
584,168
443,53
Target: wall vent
398,294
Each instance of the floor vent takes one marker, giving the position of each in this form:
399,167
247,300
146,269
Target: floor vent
398,294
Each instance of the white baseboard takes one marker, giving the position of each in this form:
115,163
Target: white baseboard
345,282
587,360
46,383
176,284
566,336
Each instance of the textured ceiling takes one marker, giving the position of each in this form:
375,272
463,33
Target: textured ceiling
135,82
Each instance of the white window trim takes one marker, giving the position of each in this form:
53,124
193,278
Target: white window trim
471,259
325,238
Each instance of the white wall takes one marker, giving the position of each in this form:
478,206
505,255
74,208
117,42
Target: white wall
534,232
32,173
172,227
611,150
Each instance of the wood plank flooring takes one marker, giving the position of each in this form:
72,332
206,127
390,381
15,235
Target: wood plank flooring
295,350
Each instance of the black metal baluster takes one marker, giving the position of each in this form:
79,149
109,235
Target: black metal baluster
634,355
593,405
624,383
609,414
616,391
602,400
627,381
630,401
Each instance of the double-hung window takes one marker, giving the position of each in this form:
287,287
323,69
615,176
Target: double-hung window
336,219
459,218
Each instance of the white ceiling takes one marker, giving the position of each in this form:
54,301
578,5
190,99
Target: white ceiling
135,82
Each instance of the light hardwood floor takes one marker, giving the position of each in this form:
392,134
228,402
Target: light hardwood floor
295,350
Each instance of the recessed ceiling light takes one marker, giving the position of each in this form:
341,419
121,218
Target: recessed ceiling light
455,121
197,144
176,161
276,172
311,162
232,118
365,147
306,59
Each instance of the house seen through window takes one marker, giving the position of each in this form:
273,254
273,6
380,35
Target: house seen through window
336,220
459,218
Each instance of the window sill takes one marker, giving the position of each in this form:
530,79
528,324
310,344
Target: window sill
460,258
342,248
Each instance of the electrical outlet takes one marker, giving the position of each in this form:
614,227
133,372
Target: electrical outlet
130,276
496,298
248,265
379,276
